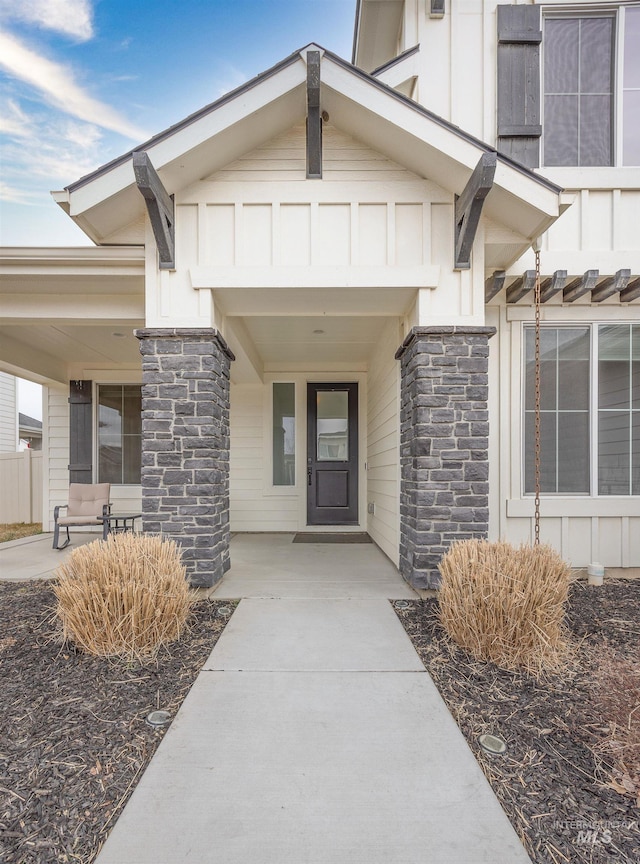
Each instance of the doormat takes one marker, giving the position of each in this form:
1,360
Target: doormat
332,538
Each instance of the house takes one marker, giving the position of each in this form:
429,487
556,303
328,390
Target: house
310,305
30,431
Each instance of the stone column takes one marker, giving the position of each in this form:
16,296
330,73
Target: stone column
444,439
185,445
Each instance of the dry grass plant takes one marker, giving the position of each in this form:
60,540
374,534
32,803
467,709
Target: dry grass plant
123,597
616,698
506,604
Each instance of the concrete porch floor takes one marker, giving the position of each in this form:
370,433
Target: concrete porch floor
33,557
270,566
262,566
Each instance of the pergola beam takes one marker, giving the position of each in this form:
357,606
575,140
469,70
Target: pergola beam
553,285
469,208
314,118
521,286
582,285
631,292
494,284
160,207
610,286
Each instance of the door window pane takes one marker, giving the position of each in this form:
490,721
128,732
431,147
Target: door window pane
332,442
119,434
284,434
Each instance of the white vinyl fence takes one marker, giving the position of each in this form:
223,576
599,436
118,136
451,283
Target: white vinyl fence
21,486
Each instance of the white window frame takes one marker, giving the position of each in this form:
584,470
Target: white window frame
126,489
281,488
268,487
593,326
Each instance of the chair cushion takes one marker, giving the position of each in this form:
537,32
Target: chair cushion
86,499
78,520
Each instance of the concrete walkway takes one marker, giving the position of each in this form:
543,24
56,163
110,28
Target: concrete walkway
33,558
313,735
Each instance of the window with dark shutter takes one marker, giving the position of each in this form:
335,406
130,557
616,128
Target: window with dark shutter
519,38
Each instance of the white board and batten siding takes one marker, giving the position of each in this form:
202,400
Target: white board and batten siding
383,444
261,212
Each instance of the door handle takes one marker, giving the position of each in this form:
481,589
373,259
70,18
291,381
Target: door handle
309,469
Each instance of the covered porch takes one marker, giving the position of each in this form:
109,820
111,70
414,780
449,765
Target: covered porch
263,566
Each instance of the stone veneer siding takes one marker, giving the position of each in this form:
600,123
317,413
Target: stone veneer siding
444,439
185,445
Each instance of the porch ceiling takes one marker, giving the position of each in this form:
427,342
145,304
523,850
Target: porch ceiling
314,341
53,353
61,309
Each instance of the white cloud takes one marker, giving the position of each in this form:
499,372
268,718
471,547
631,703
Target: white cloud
57,151
12,194
58,86
60,151
13,121
71,17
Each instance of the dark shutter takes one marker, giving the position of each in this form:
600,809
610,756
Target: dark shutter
80,432
519,38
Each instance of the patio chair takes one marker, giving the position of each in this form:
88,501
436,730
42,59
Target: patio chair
88,503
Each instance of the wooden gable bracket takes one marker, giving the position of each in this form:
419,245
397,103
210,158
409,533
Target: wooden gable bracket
610,286
160,207
469,207
314,118
522,286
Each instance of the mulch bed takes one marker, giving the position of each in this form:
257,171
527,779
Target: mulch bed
561,782
73,736
74,741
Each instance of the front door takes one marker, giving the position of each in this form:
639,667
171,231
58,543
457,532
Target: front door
332,454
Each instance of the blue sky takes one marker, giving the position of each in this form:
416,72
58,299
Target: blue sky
82,81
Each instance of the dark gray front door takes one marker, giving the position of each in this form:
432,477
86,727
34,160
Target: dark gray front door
332,454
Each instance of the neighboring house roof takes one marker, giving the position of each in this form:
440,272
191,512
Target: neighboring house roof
29,426
359,104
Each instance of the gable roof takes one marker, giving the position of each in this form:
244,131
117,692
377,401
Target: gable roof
357,103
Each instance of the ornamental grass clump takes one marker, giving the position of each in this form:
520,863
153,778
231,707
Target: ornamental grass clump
123,597
506,604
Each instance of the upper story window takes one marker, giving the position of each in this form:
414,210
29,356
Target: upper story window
591,87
